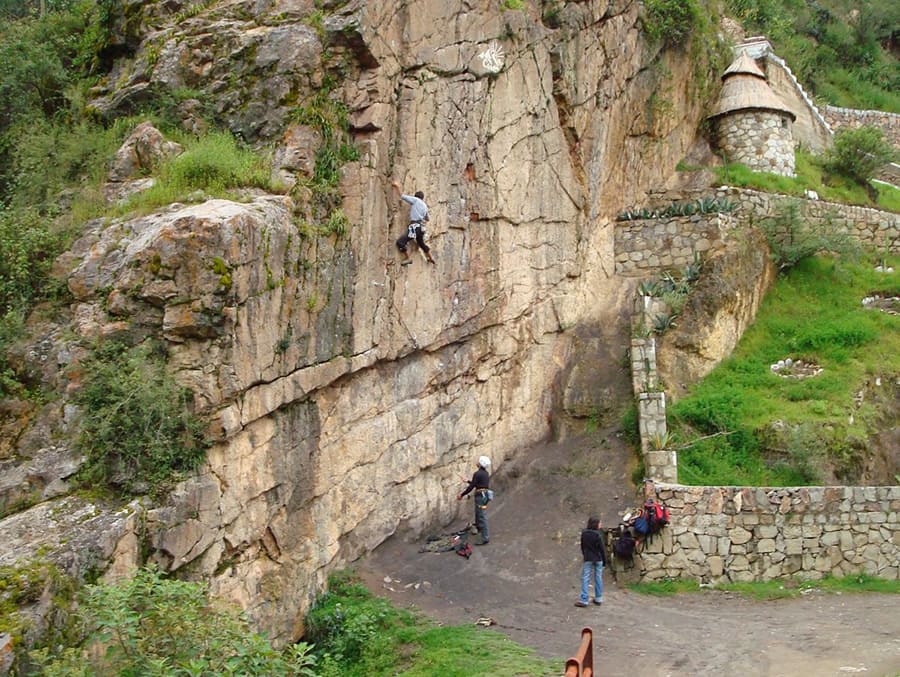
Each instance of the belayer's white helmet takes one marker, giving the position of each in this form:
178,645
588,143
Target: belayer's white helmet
484,462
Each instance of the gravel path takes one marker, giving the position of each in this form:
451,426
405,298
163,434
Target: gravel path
527,580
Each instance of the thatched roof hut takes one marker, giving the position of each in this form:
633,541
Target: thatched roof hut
744,87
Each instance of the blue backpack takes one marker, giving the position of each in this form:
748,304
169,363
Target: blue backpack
641,525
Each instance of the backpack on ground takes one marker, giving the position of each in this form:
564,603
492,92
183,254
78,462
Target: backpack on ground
464,550
446,542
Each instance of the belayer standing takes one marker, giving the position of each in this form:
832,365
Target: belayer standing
418,217
481,484
593,552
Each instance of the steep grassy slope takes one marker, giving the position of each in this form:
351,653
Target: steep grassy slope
844,52
773,429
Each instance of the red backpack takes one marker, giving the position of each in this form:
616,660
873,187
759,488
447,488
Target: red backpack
656,514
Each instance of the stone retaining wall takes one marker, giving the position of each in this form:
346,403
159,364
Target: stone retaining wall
849,118
730,534
646,245
870,227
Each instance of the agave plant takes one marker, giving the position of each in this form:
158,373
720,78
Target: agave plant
648,288
663,322
691,271
667,282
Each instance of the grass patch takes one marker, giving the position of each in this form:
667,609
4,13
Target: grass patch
815,313
888,197
810,175
769,590
845,89
356,633
213,164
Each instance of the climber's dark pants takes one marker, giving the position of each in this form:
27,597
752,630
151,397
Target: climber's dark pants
404,239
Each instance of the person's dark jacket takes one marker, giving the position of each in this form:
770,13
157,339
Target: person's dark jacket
480,480
592,546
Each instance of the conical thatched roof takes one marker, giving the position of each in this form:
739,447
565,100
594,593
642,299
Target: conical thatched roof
744,87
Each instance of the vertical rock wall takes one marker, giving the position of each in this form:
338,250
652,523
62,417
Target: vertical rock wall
525,140
347,392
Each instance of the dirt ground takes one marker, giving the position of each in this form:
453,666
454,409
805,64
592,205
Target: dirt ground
527,581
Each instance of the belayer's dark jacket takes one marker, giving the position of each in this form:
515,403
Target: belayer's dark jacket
480,480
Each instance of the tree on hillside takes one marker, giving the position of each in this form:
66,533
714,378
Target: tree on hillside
858,154
17,9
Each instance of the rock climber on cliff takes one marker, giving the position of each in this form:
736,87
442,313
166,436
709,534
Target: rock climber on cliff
418,216
481,483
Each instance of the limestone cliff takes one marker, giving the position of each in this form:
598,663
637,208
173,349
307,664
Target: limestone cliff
348,393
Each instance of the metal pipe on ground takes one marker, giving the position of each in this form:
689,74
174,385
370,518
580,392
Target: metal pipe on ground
582,663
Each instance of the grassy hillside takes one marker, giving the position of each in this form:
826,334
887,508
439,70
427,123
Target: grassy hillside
762,428
844,51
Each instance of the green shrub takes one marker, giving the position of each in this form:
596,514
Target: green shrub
338,224
41,60
11,328
792,238
155,626
670,21
51,157
330,117
858,153
138,432
28,252
347,625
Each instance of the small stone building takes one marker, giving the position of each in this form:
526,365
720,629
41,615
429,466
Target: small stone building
751,124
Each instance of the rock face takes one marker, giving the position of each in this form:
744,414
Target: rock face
347,392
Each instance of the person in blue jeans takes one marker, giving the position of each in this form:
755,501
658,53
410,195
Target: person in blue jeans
594,552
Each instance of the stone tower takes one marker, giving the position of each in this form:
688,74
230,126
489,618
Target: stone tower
751,124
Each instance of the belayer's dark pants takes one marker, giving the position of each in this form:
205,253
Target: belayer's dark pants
481,501
404,239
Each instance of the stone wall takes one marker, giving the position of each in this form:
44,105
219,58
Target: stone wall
761,140
850,118
870,227
810,129
659,463
729,534
645,245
